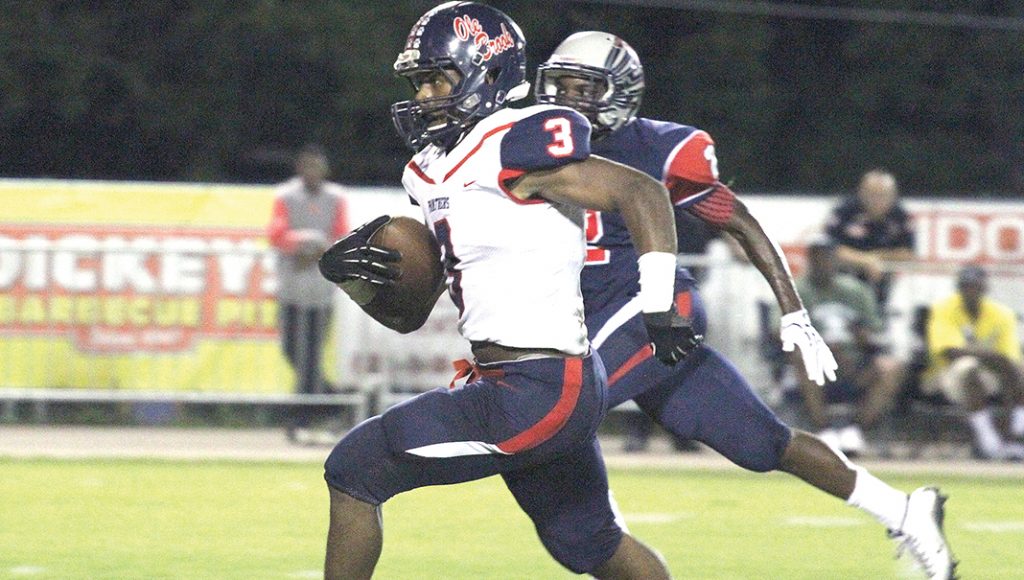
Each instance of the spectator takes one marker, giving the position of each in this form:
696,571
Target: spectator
974,355
309,214
844,310
871,229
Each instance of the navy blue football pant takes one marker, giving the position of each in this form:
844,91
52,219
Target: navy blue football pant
704,398
534,422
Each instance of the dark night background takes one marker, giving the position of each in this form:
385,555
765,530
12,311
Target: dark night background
226,91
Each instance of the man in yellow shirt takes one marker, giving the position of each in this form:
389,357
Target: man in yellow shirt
975,354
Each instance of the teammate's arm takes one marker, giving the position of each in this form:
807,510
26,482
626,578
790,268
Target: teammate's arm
692,178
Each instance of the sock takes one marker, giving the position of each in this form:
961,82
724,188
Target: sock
1017,421
985,433
874,496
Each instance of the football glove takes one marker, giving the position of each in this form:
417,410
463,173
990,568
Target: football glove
796,331
672,336
354,258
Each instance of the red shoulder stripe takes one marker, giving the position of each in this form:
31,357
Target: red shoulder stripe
419,172
473,151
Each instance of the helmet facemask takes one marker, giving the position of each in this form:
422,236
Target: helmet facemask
438,120
476,45
604,61
588,91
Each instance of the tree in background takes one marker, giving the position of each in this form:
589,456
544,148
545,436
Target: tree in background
227,91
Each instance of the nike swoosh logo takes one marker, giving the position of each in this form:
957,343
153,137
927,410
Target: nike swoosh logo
468,183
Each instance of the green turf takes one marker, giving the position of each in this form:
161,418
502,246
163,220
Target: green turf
149,519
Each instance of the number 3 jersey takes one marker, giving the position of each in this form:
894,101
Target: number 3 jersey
513,266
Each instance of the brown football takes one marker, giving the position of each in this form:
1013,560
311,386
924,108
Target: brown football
420,265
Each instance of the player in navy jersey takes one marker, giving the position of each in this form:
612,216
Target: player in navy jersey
705,398
502,190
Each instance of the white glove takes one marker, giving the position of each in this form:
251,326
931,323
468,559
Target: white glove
818,360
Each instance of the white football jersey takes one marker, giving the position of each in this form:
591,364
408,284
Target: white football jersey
513,266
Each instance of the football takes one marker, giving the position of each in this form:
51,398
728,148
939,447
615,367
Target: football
420,265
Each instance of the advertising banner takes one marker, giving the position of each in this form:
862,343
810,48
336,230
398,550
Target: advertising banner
137,286
172,286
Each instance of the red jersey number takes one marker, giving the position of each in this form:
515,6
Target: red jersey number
595,231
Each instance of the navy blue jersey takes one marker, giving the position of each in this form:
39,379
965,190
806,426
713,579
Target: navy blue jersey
679,156
704,397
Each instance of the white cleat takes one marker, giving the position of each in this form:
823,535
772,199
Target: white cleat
922,535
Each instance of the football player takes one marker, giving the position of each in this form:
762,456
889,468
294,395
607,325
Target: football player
705,398
502,190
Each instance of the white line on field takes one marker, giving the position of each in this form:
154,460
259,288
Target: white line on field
996,527
823,522
27,570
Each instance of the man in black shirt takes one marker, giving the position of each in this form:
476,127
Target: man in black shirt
872,228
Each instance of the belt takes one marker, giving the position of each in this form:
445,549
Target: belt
490,352
486,353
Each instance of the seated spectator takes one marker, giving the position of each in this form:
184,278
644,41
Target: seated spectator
870,229
844,311
974,355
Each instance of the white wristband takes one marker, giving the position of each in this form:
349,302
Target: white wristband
657,281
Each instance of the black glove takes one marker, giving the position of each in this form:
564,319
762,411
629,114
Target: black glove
353,258
672,336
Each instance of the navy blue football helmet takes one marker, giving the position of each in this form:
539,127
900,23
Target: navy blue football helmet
487,50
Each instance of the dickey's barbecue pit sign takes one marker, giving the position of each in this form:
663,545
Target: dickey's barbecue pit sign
140,286
135,288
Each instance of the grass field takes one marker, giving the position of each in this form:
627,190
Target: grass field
196,520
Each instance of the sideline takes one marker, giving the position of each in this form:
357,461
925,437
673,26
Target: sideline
79,442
